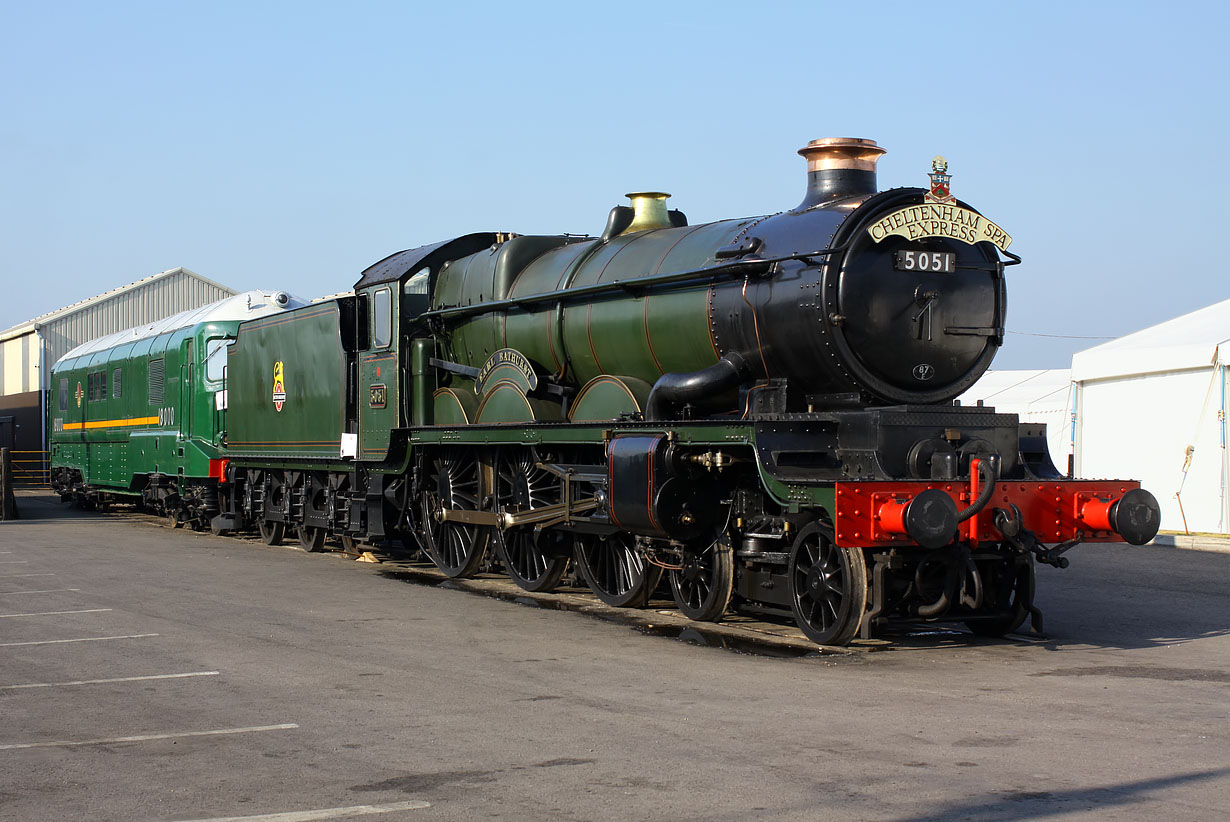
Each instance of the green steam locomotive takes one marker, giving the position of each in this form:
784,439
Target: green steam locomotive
760,409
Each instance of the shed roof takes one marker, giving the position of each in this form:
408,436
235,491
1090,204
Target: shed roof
72,308
1196,340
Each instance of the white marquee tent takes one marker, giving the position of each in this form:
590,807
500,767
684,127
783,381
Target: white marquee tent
1034,396
1152,406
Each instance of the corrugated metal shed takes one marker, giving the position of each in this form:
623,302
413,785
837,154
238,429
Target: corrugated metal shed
29,349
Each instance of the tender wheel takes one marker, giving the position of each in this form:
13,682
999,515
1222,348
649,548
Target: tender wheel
536,561
454,483
1009,588
173,519
271,532
828,586
615,571
702,587
311,538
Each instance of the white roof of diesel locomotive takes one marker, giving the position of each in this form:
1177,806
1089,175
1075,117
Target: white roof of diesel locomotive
1196,340
245,306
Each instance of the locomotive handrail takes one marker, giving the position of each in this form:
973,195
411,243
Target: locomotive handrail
742,268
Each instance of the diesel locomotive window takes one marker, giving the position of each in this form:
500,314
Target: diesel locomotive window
97,385
63,395
215,359
117,382
382,318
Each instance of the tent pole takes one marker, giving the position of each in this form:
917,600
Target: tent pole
1225,465
1073,388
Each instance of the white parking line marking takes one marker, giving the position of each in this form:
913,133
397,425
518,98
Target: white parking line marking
48,591
82,639
57,613
105,681
323,813
147,737
11,576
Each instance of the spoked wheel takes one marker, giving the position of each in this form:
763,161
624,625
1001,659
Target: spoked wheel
1008,588
828,586
535,560
702,587
454,483
311,538
271,532
615,571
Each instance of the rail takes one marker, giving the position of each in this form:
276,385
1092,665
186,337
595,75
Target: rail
31,469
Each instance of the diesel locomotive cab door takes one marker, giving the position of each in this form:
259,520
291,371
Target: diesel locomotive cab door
185,393
378,394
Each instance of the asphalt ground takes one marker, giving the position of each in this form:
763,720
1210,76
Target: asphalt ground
157,674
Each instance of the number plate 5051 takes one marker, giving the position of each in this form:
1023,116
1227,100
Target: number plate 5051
939,262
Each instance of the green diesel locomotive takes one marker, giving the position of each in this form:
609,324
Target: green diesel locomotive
759,408
139,415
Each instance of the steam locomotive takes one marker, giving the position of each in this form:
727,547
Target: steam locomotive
760,409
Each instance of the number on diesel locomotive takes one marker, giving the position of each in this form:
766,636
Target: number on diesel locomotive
938,262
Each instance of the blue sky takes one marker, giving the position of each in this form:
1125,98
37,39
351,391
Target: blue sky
290,145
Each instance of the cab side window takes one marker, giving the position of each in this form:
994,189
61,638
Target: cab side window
415,296
382,318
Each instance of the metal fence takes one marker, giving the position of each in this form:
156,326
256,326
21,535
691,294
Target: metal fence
31,469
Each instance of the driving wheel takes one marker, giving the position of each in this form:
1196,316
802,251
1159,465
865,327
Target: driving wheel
615,571
454,483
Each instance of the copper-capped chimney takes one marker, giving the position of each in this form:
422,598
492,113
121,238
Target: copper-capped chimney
839,167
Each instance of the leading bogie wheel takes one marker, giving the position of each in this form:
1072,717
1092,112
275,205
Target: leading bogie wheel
828,586
615,570
1009,588
454,483
702,586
